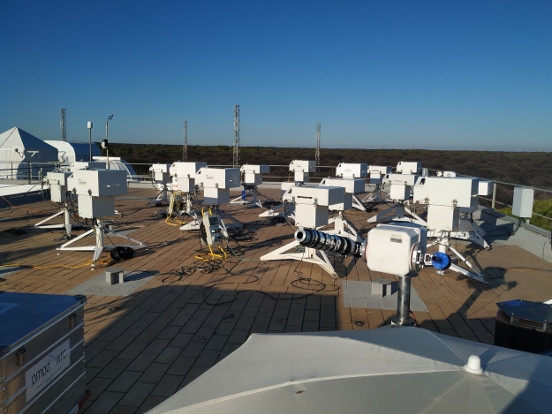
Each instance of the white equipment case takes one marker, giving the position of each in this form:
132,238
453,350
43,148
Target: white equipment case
42,363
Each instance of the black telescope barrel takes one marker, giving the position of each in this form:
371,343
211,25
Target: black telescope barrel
328,242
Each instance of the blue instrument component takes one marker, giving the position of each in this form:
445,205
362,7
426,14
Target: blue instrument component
440,261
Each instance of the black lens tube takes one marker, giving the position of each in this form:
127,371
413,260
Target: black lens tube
328,242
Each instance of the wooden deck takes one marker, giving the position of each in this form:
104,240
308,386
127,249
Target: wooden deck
143,347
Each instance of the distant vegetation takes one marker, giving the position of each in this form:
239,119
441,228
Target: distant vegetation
542,207
525,168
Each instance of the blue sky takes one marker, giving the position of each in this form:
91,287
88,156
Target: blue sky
376,74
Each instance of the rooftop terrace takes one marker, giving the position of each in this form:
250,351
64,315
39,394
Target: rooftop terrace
177,315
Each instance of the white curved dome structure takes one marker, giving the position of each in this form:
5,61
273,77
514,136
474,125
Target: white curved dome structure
116,163
70,152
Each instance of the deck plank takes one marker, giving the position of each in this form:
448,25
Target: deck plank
143,347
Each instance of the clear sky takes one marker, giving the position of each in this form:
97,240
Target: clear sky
376,74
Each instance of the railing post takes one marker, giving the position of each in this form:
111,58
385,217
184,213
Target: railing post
494,196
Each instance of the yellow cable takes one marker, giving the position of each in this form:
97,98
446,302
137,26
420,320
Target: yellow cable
44,267
105,262
179,223
171,207
213,254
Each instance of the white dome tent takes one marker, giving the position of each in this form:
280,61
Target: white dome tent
384,370
24,156
70,152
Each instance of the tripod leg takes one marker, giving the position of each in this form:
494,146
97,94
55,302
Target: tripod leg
67,218
473,274
99,242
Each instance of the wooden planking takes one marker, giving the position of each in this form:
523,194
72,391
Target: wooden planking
177,325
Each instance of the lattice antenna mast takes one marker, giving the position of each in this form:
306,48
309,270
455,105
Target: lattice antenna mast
236,155
62,118
317,153
185,146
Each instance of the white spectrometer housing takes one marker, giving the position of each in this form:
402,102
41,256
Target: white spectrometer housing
351,185
98,183
96,190
399,186
447,192
160,167
399,191
58,185
443,218
301,169
522,205
485,188
301,165
224,178
351,170
217,183
446,197
379,169
186,169
377,172
160,172
446,174
314,195
312,203
96,207
213,196
406,179
252,173
390,247
256,169
184,174
285,186
408,167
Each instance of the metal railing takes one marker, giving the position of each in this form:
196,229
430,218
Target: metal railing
28,171
499,203
501,194
277,171
34,172
502,197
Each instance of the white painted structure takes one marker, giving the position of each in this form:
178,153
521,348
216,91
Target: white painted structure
24,156
70,152
116,163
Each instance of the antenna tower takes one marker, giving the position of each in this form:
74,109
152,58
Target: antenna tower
317,153
62,117
236,155
185,146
